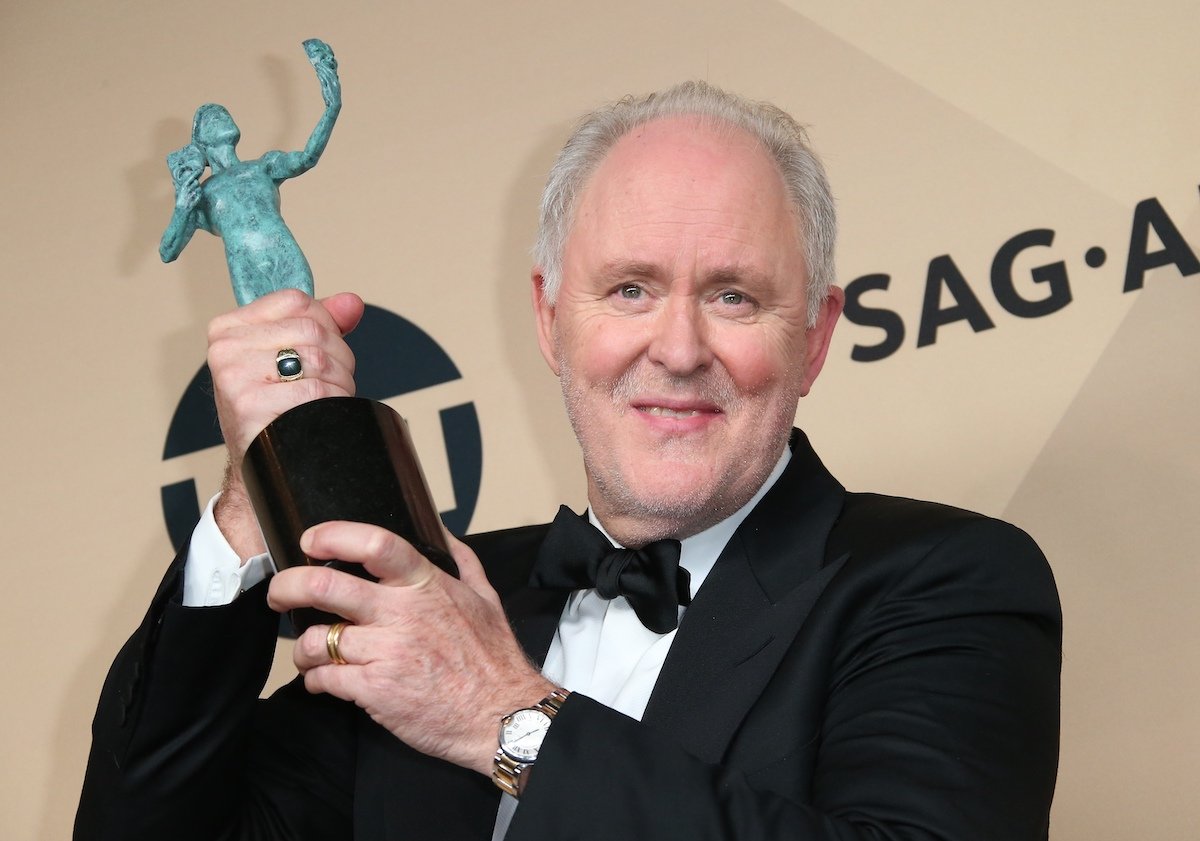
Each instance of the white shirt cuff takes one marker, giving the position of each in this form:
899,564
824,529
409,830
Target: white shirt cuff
214,574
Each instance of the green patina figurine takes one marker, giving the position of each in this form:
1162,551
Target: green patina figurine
239,201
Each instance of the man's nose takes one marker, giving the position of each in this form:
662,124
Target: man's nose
680,340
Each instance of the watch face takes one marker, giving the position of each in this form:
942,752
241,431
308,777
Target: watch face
521,734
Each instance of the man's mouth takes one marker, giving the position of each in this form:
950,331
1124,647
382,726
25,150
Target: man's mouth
664,412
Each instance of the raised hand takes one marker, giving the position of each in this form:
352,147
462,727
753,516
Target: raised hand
249,393
320,55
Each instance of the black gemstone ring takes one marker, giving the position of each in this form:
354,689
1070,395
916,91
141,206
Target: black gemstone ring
287,363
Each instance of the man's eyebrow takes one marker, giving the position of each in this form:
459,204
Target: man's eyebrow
638,269
623,269
733,276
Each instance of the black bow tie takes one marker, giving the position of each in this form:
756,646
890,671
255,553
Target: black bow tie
577,556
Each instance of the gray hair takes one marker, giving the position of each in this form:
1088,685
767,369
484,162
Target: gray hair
780,135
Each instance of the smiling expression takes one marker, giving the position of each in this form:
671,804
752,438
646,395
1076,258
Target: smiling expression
679,331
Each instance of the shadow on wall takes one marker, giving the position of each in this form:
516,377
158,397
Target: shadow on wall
541,400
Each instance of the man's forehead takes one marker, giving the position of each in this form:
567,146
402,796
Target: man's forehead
685,161
670,173
660,142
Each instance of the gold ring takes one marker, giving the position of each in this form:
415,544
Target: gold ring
288,365
331,643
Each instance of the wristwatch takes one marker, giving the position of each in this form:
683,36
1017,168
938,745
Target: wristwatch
521,735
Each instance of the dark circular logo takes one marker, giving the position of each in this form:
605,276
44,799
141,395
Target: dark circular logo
394,358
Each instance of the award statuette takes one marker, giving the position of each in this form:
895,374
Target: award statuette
338,458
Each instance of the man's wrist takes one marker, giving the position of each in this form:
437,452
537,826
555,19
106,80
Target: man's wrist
214,574
520,739
235,518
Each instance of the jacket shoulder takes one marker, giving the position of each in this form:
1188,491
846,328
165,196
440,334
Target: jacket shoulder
872,523
907,545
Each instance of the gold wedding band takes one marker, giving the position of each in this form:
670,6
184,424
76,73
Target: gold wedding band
331,643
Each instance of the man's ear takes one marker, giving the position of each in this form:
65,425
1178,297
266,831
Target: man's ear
543,315
818,337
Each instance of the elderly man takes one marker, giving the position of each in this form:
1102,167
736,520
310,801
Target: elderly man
769,656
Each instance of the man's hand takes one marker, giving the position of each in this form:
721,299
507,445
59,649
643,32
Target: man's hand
430,657
242,345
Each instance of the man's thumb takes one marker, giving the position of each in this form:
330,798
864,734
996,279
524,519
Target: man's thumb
346,309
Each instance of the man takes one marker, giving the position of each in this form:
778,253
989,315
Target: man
844,666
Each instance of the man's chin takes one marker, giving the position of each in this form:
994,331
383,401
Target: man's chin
661,502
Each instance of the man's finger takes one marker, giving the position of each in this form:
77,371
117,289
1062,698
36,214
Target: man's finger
346,309
326,589
340,681
470,570
384,554
312,648
274,306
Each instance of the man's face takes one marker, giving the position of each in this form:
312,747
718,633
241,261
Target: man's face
679,329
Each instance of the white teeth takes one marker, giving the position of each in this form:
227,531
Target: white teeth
662,412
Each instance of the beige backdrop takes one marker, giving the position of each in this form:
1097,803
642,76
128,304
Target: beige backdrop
947,129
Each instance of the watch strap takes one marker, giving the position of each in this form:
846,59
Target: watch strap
509,774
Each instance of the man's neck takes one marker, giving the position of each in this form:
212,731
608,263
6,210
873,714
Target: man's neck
623,531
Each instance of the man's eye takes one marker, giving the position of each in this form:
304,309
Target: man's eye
631,291
732,298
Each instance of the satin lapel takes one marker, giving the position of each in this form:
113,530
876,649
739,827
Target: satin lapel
749,610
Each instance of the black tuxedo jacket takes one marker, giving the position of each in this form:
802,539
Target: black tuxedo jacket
855,666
